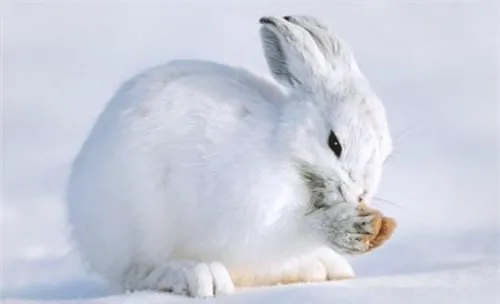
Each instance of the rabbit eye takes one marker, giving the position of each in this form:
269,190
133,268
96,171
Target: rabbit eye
334,144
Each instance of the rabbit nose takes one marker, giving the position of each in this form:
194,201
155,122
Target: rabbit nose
361,197
352,193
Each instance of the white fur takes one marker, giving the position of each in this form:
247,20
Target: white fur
191,178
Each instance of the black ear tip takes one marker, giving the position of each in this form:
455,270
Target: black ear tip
288,18
265,20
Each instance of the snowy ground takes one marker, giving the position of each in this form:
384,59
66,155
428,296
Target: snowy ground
435,65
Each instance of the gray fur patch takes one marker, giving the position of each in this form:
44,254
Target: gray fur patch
317,186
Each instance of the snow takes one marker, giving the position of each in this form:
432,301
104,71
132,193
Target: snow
435,65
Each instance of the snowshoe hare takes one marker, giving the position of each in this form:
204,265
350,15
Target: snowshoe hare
199,177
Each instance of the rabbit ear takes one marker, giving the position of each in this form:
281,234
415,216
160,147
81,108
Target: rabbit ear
331,46
293,56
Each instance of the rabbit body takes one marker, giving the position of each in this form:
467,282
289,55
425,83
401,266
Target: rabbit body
190,180
184,162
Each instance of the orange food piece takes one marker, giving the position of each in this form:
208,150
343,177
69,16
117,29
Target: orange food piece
382,227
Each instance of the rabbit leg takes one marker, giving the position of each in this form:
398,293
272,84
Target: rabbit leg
182,277
336,266
320,265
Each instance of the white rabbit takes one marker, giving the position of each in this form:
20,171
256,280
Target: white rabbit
199,177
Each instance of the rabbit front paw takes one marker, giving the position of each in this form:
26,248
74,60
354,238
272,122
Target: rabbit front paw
184,277
363,231
336,266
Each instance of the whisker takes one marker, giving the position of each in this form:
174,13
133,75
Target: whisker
388,202
395,156
413,127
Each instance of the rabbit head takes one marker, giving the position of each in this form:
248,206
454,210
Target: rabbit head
333,127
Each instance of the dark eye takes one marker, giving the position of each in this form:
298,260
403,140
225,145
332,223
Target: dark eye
334,144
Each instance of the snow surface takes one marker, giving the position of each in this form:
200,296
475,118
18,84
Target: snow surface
435,65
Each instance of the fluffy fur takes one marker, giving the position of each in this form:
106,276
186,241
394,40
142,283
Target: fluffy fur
198,176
